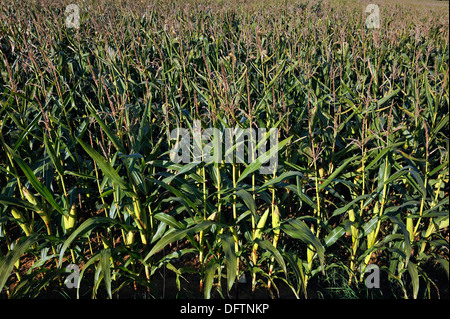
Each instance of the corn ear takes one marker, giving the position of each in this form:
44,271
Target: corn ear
276,233
71,219
354,230
410,228
213,216
20,218
139,225
258,233
372,235
30,197
276,225
41,212
130,238
321,172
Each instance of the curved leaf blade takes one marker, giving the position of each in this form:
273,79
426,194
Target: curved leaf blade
298,229
106,168
88,225
177,235
231,259
7,263
267,245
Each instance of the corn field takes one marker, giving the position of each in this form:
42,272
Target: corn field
87,181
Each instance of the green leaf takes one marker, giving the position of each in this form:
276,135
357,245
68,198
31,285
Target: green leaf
169,220
53,157
180,170
144,123
334,236
386,98
267,245
380,155
230,258
406,237
248,200
7,263
117,143
369,226
428,213
209,277
394,210
38,186
105,264
337,171
296,189
6,200
444,264
88,225
252,167
282,177
348,205
296,264
299,230
86,266
184,199
412,269
177,235
107,169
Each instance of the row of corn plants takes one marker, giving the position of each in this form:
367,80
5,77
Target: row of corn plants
86,172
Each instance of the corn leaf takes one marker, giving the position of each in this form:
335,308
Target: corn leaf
7,263
38,186
230,259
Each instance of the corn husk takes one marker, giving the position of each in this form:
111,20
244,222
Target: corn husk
20,218
71,219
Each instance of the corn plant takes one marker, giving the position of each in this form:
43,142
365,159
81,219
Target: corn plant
88,173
